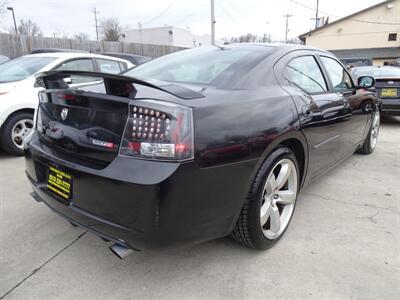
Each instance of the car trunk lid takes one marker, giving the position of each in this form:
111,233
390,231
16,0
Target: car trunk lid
388,87
88,123
85,126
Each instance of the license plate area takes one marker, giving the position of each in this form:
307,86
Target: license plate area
59,183
389,92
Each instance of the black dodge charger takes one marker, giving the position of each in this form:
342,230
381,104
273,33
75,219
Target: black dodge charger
197,145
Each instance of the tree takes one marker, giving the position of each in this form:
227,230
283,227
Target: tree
29,28
111,30
3,7
61,34
250,38
81,36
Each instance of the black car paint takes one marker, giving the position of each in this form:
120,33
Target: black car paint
390,105
154,205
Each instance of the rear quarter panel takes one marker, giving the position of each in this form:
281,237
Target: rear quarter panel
240,126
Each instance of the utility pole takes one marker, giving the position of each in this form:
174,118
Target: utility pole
316,15
15,23
212,22
96,12
287,16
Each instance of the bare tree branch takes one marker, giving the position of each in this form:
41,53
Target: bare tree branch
3,8
111,30
29,28
81,36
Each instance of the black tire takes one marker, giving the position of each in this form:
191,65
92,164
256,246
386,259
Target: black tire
6,133
367,147
248,229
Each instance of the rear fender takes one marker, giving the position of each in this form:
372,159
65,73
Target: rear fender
289,135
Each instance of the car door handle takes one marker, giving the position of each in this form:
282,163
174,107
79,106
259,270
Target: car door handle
348,93
307,112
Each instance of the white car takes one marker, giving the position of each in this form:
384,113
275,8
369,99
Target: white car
19,91
3,59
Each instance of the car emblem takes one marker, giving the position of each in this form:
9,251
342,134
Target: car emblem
64,113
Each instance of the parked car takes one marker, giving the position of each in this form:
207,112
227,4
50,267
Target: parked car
19,90
387,86
133,58
199,144
3,59
56,50
356,62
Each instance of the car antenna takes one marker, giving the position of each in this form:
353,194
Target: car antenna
220,47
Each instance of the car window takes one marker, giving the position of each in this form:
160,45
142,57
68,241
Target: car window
77,65
199,66
109,66
305,73
84,64
22,67
377,71
123,66
340,78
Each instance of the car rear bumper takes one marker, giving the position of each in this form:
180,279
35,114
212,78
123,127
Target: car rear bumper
391,106
144,204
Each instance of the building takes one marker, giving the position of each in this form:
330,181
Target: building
370,33
167,35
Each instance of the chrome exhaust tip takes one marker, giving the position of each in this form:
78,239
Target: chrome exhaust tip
120,251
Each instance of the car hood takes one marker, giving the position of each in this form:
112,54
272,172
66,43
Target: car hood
6,87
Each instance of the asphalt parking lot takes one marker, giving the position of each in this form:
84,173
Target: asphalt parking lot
344,242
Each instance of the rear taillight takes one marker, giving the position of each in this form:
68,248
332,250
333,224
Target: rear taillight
158,130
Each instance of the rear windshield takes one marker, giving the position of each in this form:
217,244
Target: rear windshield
22,67
198,66
378,72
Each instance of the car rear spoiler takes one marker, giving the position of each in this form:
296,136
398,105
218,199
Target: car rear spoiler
113,83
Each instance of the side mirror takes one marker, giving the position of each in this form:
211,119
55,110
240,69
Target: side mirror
365,82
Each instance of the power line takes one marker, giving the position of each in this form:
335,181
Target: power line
336,16
226,12
160,15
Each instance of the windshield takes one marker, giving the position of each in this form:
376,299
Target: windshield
199,66
22,67
378,72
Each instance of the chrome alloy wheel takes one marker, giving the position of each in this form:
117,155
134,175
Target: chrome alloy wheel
375,129
278,198
20,130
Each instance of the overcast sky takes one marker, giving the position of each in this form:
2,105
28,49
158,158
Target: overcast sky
234,17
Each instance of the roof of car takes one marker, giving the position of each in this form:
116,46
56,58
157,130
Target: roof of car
376,67
126,54
276,46
67,55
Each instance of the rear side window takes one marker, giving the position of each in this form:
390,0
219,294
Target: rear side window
340,78
304,72
109,66
83,64
77,65
122,66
